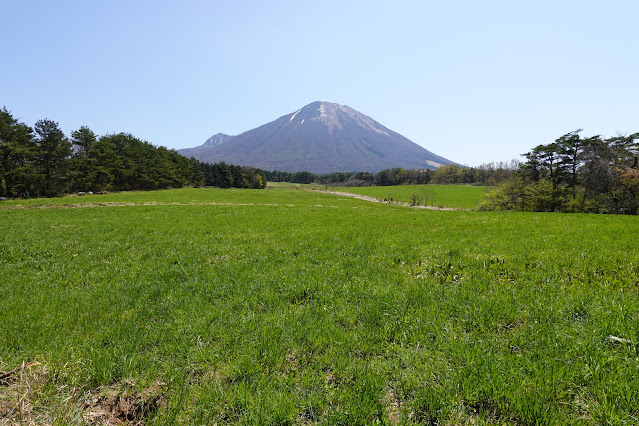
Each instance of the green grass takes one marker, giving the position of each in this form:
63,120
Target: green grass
179,196
454,196
287,306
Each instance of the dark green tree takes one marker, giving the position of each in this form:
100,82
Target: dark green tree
108,164
224,175
82,140
82,165
53,152
303,177
17,155
570,149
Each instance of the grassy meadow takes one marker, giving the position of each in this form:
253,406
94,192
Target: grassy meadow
454,196
285,306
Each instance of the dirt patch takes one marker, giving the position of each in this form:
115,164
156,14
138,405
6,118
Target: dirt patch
110,406
393,406
17,387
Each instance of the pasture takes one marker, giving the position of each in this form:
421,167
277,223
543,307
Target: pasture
285,306
453,196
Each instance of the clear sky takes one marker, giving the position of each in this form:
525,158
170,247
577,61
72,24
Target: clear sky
473,81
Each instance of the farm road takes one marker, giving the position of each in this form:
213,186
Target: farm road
379,200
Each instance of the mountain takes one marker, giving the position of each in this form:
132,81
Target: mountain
217,139
320,138
214,140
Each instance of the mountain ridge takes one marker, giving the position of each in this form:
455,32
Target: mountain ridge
321,137
217,139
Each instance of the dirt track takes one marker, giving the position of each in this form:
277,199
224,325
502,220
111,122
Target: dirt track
378,200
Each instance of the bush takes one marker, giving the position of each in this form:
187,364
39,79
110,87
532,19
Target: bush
509,195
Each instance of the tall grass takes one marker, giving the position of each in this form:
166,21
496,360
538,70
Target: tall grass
286,306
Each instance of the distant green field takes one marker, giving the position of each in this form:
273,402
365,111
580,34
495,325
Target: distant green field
284,306
455,196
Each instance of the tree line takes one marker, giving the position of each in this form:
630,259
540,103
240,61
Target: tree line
487,174
574,174
43,161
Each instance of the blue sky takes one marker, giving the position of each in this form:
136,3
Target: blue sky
473,81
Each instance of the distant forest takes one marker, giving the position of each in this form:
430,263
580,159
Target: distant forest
487,174
42,161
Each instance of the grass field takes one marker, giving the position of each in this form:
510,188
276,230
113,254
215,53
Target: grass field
280,306
455,196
